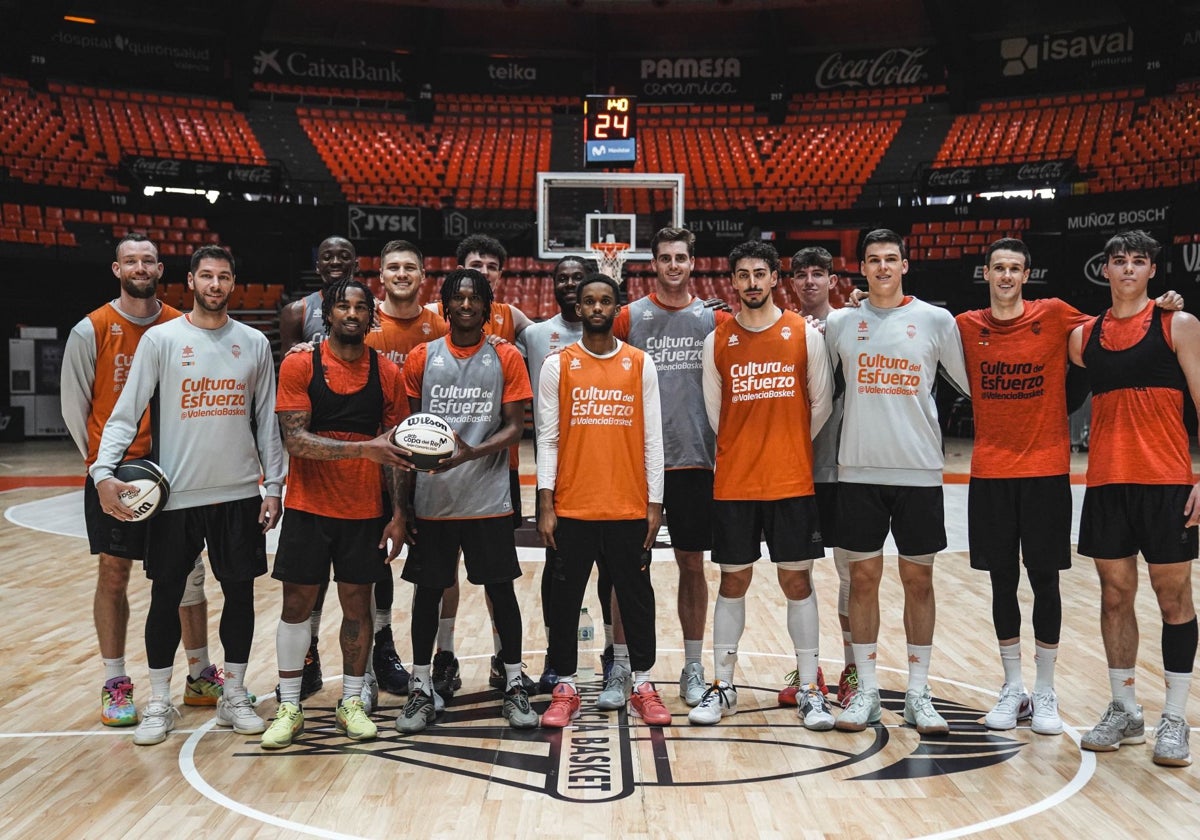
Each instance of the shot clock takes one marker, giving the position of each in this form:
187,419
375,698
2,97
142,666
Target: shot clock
609,130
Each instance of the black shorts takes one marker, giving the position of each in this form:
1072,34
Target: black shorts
688,501
602,541
916,517
111,536
791,528
309,544
1013,518
827,512
237,546
1119,520
514,494
487,545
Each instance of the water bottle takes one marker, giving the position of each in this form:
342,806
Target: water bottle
586,667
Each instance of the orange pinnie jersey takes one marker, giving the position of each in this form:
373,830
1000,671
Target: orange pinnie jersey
1018,377
396,337
602,436
116,340
764,447
500,323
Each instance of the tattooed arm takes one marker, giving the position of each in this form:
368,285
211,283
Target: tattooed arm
302,443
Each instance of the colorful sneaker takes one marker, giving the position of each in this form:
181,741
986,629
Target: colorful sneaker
645,703
116,703
446,679
417,713
788,695
204,690
718,701
288,723
1171,742
370,693
919,712
814,710
549,679
352,721
1117,727
1014,705
564,707
389,670
1045,713
617,689
238,712
158,718
864,710
516,709
606,661
692,684
847,685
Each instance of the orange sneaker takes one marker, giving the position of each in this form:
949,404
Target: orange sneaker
645,703
564,707
788,694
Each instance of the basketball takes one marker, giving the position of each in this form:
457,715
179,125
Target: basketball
428,437
153,488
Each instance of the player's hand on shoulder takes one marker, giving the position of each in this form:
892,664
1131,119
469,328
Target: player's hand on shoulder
719,304
302,347
495,340
1169,300
856,297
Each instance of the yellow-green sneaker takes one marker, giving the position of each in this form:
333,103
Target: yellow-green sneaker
352,721
288,723
206,689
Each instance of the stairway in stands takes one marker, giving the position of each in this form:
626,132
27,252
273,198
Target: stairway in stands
281,137
918,140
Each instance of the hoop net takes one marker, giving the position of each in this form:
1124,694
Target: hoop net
610,257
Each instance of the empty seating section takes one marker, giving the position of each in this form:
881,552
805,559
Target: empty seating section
66,226
953,240
246,301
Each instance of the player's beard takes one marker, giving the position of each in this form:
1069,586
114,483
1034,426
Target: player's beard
130,287
598,329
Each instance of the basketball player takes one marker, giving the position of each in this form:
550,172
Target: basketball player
480,389
600,465
812,278
1140,495
537,342
767,392
670,325
401,324
336,404
96,363
890,466
212,383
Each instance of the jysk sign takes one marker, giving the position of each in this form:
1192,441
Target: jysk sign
610,130
375,222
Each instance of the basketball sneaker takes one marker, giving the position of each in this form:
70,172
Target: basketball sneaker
352,721
564,707
311,682
718,701
1171,742
238,712
116,703
919,712
389,670
617,689
847,685
790,691
1014,705
1117,727
417,713
158,718
692,684
288,723
645,703
498,678
370,692
548,680
1045,713
516,709
204,690
814,710
864,710
446,679
606,661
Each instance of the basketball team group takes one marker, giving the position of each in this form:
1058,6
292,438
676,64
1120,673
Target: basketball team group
767,426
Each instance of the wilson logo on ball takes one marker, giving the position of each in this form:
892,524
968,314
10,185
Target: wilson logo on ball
426,437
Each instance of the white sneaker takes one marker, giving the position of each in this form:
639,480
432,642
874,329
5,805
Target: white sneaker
1013,705
692,684
720,700
158,718
238,712
919,712
370,692
1045,713
814,710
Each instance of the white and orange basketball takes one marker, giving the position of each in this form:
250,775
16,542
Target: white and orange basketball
428,437
153,488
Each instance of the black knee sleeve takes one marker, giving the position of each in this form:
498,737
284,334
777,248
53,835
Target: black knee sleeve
1006,610
385,591
163,630
1179,646
506,615
237,619
1047,605
427,606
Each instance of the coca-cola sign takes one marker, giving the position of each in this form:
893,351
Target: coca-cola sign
138,170
959,176
1002,176
1047,172
895,67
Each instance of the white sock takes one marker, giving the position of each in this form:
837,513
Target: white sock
918,666
608,635
692,650
729,622
314,621
568,681
847,648
445,634
512,675
114,668
804,629
197,661
640,678
1178,686
864,660
621,656
352,686
1010,658
1044,658
383,618
1123,684
160,684
289,688
422,679
235,679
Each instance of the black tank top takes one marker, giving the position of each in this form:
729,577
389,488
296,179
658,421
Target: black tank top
1148,364
360,412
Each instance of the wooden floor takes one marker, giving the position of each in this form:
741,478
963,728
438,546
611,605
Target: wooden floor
758,774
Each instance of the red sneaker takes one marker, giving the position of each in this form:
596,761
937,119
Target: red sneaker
787,694
564,707
645,703
847,685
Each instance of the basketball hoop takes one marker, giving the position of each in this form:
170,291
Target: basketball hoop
610,257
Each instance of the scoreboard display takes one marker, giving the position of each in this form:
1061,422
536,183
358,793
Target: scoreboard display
609,130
